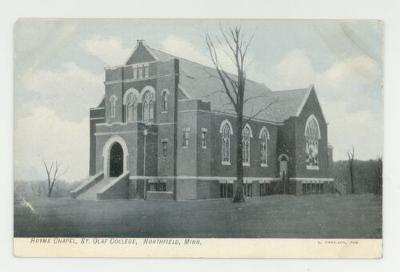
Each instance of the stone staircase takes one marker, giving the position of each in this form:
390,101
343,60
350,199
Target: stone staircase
100,187
91,193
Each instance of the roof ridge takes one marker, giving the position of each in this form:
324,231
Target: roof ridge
203,65
195,62
308,88
306,96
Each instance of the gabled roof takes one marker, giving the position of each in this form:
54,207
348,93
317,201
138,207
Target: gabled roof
198,81
287,103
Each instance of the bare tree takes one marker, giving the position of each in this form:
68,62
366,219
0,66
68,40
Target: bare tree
52,173
234,86
350,155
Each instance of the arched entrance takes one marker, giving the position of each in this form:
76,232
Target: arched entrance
283,165
283,172
116,160
115,155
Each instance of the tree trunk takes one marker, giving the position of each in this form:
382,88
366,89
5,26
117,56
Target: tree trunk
50,191
351,178
239,194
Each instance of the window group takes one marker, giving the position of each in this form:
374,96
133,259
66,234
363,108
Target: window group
131,101
226,132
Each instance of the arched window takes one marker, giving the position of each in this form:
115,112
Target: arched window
148,107
130,107
313,135
247,134
264,137
226,131
113,102
164,96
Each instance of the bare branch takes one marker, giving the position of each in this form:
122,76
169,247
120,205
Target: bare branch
253,97
235,90
214,59
226,53
52,173
48,172
226,104
55,172
231,47
233,83
209,74
350,154
45,166
247,45
250,118
213,93
243,55
227,41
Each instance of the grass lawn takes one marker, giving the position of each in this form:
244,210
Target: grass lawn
277,216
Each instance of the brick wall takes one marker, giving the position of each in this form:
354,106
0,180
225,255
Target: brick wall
128,132
187,155
286,144
166,129
204,154
194,116
255,169
96,117
311,107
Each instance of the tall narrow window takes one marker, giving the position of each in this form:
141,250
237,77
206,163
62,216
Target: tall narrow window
264,137
113,102
140,72
148,107
248,189
164,101
312,135
246,145
226,190
130,107
226,143
135,73
185,140
164,148
204,138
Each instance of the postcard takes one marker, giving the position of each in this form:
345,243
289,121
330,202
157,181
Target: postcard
198,138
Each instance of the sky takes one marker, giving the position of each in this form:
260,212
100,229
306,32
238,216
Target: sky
59,74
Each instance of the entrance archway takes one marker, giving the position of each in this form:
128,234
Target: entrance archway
116,160
283,172
283,165
115,155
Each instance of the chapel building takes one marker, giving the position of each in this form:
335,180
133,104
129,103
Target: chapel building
166,130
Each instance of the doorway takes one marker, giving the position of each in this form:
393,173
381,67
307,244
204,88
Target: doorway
116,160
283,165
283,172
